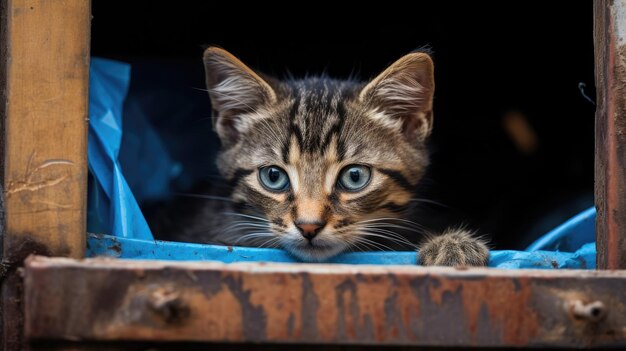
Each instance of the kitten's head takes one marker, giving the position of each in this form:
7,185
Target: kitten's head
325,162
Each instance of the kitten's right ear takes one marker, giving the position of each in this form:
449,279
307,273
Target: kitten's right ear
235,91
404,95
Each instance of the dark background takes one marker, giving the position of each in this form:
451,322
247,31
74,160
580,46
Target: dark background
491,60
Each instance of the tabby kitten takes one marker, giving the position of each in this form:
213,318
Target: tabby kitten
320,166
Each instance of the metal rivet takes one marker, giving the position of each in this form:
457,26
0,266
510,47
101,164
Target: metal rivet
592,312
169,305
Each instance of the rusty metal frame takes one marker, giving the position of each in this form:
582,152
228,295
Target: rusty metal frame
610,189
116,300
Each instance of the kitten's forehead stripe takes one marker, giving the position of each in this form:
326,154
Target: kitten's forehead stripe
335,131
317,113
297,133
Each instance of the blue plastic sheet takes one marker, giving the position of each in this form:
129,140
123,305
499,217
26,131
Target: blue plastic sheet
113,208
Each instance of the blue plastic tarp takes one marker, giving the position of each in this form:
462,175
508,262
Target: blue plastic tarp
114,210
112,206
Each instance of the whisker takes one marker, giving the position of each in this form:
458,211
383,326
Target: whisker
388,233
355,244
200,89
429,202
370,245
270,242
390,225
243,223
375,244
243,228
202,196
253,236
390,238
391,219
246,215
246,225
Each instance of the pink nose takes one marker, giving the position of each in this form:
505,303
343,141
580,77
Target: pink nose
310,230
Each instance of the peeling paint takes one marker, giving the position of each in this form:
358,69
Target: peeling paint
320,304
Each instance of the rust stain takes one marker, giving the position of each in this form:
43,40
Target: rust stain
524,327
503,298
308,310
318,304
365,308
274,307
253,314
409,304
347,309
327,312
383,301
616,139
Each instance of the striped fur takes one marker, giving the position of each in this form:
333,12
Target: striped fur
313,128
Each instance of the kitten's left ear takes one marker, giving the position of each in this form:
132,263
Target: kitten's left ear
404,94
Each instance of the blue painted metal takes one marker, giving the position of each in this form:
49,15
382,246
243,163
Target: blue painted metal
106,245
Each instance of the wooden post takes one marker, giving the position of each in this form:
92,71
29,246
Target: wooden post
610,174
44,79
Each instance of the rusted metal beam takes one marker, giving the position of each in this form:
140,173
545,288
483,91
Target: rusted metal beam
610,174
117,300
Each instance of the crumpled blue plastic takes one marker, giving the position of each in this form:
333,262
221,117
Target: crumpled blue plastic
113,209
111,205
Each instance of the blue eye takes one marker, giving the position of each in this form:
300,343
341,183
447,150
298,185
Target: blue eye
274,178
354,177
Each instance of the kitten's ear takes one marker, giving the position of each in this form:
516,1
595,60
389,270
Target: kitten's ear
235,91
403,93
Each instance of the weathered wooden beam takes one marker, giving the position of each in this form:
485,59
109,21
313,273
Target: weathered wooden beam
116,300
45,124
44,78
610,174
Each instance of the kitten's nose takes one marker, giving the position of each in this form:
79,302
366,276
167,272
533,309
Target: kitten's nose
310,229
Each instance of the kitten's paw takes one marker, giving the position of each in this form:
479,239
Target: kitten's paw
454,248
